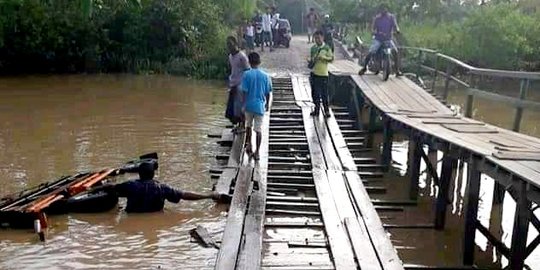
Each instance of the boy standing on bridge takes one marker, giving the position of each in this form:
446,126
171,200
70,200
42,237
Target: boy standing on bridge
257,89
321,54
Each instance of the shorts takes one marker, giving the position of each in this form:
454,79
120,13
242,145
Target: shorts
267,36
311,30
250,41
254,120
376,44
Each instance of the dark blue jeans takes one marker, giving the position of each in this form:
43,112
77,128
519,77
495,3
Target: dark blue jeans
319,91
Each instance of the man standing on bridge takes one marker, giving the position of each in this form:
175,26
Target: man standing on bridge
383,27
257,89
321,54
238,63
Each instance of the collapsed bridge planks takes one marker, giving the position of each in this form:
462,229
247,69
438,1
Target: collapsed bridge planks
302,210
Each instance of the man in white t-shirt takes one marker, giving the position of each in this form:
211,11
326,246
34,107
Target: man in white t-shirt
267,29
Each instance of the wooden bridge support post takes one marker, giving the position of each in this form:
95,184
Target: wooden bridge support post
498,193
415,147
518,250
448,168
358,102
471,212
388,136
524,87
372,126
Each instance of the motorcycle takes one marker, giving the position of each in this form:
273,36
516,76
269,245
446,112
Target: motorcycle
382,60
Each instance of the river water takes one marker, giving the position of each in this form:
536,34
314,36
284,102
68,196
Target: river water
57,125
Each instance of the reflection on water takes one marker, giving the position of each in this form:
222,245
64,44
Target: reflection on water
430,247
50,126
499,113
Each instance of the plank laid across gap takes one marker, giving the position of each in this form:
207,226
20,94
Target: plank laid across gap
383,246
250,255
340,144
230,243
223,185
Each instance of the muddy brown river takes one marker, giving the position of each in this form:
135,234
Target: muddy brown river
56,125
52,126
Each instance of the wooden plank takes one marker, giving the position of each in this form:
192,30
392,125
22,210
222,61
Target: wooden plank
383,246
516,155
315,150
326,144
340,144
250,255
339,243
363,250
461,121
225,179
237,150
230,242
461,128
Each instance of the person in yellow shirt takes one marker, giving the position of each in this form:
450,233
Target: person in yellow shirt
321,54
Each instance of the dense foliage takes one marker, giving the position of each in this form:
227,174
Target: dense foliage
499,33
178,36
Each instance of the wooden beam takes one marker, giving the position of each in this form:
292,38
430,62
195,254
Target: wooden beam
415,148
250,255
471,212
447,173
388,135
230,243
518,250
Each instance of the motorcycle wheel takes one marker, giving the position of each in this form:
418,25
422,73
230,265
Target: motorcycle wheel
386,68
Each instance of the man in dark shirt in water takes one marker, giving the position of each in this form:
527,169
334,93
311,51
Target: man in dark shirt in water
148,195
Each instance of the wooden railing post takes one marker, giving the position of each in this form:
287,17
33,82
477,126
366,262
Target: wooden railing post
470,99
435,71
523,89
419,64
447,81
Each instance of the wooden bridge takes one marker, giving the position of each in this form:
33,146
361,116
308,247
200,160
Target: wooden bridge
306,203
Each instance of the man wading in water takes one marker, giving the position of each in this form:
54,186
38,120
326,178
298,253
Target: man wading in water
146,195
257,87
238,63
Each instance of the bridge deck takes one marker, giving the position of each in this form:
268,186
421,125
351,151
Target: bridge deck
412,107
303,205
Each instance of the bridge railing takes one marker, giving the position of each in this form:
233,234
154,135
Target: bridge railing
435,65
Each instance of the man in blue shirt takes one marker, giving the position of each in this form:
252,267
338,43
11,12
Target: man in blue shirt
384,25
257,89
146,195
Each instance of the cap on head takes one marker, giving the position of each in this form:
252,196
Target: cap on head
326,16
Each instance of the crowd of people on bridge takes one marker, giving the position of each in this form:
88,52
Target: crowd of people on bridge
247,92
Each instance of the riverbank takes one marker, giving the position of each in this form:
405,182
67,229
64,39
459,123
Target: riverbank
44,37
